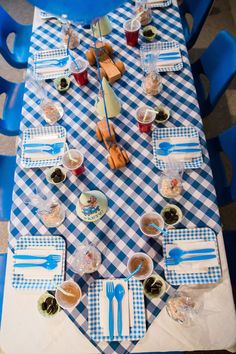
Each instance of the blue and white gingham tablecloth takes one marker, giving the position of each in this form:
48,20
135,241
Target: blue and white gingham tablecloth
130,191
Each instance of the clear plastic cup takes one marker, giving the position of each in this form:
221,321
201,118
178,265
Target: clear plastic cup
79,70
132,28
70,300
145,125
76,167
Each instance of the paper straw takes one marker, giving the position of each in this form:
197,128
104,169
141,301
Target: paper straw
146,113
135,18
69,154
64,292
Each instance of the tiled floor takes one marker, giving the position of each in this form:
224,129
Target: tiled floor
222,118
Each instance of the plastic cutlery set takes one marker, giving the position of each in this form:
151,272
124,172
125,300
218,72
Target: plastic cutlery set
49,262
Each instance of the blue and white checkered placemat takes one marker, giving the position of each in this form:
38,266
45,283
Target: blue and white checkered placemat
162,134
40,242
130,191
136,332
213,274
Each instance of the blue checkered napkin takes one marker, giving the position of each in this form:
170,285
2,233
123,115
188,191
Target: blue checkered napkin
136,332
214,273
40,242
155,4
56,53
148,49
166,133
33,133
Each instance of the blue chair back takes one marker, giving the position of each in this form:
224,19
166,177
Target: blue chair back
18,56
7,168
226,143
3,262
11,114
199,10
218,64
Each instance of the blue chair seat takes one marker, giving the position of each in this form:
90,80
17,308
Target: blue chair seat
218,64
199,11
3,262
18,57
225,143
11,116
7,168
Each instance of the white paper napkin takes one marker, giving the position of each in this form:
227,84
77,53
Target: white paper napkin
170,62
193,266
127,309
47,70
43,140
38,272
181,156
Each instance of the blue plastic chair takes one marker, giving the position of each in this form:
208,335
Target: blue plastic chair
18,57
3,263
199,10
7,168
230,249
11,116
218,64
226,143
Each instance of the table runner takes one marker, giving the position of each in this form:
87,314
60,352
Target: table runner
134,189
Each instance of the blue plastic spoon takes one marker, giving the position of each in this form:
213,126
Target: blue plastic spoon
119,294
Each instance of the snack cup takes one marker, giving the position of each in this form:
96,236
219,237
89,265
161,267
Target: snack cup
79,70
76,168
66,301
145,126
132,28
49,172
157,278
178,212
148,218
150,264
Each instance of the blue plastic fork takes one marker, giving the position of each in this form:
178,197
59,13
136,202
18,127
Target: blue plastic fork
165,145
175,261
49,265
110,293
51,257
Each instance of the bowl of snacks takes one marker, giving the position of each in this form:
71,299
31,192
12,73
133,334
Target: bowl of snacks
151,218
154,286
56,175
47,305
170,186
146,268
149,33
162,115
171,214
62,84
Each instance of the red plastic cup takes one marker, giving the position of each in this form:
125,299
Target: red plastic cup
80,72
132,28
77,168
145,125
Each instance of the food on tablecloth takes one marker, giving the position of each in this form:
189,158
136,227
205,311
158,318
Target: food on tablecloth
69,34
146,268
87,259
62,84
68,294
171,214
145,12
111,70
152,84
47,305
131,28
154,286
73,161
54,215
151,218
181,308
170,187
51,111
